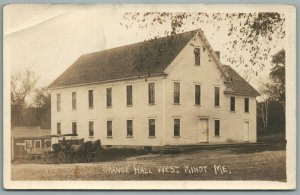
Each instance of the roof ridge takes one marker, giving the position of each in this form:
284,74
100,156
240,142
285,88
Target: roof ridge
144,42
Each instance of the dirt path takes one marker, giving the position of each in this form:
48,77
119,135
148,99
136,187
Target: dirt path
197,165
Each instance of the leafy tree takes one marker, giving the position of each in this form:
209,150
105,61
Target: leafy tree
263,106
22,84
42,105
250,34
277,75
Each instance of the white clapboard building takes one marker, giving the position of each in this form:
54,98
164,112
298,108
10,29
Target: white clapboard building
167,91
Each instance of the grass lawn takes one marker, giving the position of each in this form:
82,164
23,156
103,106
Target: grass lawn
217,164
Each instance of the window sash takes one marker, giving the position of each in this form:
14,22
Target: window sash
74,128
197,55
58,128
217,127
73,100
58,102
246,109
232,104
129,128
176,92
109,128
176,127
91,128
129,95
151,93
108,97
198,94
151,127
91,98
217,96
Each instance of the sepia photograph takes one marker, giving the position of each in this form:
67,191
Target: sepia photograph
169,96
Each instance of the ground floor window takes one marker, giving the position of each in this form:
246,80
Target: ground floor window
74,128
109,128
91,128
129,128
47,143
217,127
37,144
151,127
176,127
58,128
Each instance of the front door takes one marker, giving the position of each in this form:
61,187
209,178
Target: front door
246,131
203,130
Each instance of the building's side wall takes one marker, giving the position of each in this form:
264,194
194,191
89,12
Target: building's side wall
140,112
184,70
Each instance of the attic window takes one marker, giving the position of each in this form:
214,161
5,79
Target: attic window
197,55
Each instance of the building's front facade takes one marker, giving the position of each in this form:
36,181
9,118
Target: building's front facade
186,96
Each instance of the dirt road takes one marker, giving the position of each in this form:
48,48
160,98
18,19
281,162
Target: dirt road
222,164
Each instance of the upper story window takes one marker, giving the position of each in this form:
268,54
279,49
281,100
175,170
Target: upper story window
176,127
217,127
58,128
232,103
58,102
74,128
246,104
129,95
91,128
151,93
197,55
109,97
109,128
217,96
73,100
197,94
151,127
91,99
176,93
129,128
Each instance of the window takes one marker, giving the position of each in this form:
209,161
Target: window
74,100
176,127
217,96
74,128
47,143
58,128
197,94
151,93
91,99
109,97
58,102
91,128
129,128
28,144
232,104
151,127
176,92
37,144
129,95
109,128
246,105
217,127
197,55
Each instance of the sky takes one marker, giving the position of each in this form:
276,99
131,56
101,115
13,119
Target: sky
49,38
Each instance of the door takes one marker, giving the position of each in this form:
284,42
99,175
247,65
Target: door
203,130
246,131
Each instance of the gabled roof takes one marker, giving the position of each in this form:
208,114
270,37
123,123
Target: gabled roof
29,132
236,85
141,59
124,62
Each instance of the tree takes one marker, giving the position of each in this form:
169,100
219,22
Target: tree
277,75
42,105
22,84
250,34
264,89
